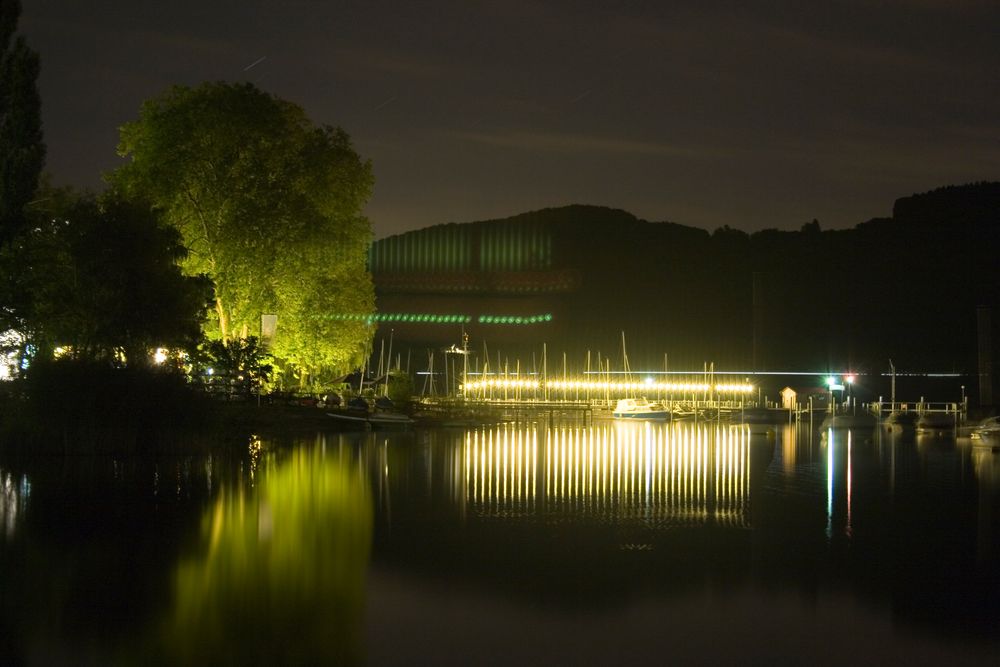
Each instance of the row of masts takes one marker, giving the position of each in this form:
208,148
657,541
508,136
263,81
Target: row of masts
455,378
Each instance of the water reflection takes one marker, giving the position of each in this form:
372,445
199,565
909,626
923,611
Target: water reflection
15,492
614,472
837,442
281,579
986,463
557,536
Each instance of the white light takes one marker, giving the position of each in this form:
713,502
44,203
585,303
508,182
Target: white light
159,356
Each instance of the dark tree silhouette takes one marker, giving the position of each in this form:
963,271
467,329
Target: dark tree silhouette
22,152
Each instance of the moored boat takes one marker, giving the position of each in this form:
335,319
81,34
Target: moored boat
372,418
935,422
359,410
987,432
640,409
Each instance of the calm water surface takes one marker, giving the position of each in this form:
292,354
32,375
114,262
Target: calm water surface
567,544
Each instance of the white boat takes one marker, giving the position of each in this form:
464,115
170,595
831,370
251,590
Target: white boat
640,409
372,418
987,431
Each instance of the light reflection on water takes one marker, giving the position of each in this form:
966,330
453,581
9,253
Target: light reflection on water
283,559
15,492
616,472
875,525
319,550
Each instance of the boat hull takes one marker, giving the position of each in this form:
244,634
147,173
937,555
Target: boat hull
654,415
375,419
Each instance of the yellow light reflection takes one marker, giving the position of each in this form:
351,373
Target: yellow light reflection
642,471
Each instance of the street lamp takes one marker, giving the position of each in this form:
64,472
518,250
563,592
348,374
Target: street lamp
832,383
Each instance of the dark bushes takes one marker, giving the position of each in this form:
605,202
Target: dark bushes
92,407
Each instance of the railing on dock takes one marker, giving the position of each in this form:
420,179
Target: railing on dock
883,409
516,410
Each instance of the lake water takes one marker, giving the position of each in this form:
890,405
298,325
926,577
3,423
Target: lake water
602,543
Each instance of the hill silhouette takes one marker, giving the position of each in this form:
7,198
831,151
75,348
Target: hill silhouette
905,287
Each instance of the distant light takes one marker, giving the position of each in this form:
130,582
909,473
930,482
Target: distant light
591,385
209,371
850,379
830,381
160,355
8,362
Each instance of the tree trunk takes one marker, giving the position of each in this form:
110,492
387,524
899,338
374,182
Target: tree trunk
223,322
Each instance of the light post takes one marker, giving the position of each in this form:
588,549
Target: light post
465,363
892,396
832,383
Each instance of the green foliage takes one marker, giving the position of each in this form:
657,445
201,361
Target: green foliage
269,206
243,361
99,277
22,152
400,387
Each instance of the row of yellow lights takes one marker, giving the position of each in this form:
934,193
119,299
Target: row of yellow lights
590,385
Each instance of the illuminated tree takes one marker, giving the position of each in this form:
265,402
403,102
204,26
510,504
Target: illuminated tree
269,206
243,361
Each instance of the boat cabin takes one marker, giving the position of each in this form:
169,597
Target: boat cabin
797,398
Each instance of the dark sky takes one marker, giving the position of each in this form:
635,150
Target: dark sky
751,114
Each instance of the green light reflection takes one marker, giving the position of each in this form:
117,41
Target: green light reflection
281,579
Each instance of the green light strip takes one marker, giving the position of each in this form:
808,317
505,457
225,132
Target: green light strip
515,319
426,318
429,318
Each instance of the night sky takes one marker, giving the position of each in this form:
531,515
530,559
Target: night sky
747,114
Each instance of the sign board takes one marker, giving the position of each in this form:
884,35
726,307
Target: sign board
268,325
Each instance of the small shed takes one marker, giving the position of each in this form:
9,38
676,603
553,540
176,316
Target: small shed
798,397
